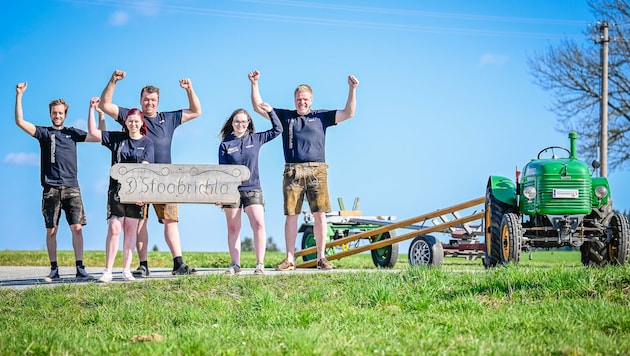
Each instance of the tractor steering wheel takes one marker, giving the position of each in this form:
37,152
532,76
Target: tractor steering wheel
553,152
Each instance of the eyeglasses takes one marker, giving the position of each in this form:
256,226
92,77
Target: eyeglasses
240,122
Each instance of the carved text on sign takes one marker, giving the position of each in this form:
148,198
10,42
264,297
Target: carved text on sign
179,183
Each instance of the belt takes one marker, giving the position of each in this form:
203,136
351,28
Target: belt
305,164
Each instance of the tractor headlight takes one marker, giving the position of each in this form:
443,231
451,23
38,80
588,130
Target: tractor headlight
601,192
529,192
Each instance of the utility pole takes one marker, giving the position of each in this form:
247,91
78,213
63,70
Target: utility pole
603,40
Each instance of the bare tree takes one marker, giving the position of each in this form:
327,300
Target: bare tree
572,73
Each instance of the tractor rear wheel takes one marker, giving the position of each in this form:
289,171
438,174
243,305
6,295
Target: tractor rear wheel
511,238
386,256
426,250
593,253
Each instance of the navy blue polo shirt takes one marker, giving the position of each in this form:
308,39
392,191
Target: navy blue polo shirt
244,150
304,136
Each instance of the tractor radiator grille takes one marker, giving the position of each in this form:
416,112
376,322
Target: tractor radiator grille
563,206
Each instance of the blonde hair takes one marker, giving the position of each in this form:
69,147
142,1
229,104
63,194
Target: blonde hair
303,88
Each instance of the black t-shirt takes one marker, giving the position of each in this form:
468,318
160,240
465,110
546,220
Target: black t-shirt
59,155
160,130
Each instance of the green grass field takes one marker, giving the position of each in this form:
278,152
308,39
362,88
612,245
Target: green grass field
549,306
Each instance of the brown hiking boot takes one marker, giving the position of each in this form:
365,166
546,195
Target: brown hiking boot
324,264
285,265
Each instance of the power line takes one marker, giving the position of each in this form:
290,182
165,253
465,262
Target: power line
273,17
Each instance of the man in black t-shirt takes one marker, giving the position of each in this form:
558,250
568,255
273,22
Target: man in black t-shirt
58,151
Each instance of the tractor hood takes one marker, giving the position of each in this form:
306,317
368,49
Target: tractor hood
565,168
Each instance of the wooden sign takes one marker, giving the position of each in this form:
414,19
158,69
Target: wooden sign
179,183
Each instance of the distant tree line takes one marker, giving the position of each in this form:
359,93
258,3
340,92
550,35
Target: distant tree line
248,244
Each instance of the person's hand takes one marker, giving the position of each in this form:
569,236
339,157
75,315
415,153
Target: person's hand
353,82
21,87
94,103
265,107
254,76
117,75
139,203
185,83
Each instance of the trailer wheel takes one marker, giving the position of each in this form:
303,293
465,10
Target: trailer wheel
511,238
619,246
385,256
308,240
426,250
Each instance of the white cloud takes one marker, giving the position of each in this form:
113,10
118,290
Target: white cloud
21,158
148,8
143,8
119,18
492,59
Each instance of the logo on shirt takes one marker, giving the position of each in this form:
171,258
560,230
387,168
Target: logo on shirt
232,150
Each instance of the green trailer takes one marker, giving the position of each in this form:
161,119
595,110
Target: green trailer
345,223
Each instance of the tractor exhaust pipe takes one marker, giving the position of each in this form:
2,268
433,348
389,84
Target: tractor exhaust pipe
573,139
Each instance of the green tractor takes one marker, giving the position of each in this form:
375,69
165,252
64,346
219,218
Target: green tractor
556,203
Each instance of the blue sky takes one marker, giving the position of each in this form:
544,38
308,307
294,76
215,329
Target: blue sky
445,96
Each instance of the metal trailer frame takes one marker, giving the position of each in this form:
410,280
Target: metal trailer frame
422,225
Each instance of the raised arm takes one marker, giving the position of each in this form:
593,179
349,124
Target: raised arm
255,94
351,103
94,134
19,115
194,106
101,118
107,95
276,126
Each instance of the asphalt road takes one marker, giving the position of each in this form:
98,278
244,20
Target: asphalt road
17,277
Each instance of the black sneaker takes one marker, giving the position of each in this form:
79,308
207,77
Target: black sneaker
82,273
54,274
184,270
141,272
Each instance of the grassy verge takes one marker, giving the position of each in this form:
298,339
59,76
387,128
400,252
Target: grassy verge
555,307
222,259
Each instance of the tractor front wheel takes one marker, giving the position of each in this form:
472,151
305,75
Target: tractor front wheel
511,238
